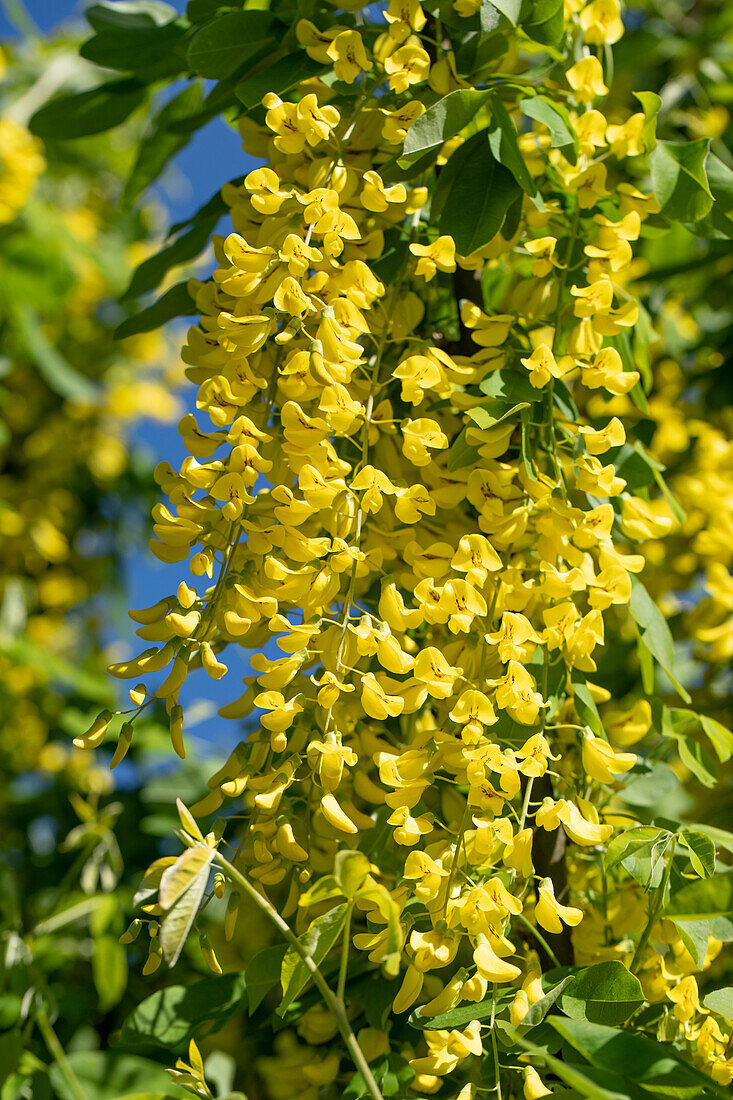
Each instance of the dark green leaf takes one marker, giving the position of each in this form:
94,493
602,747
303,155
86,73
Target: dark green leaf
679,180
170,1017
585,704
654,1066
477,199
263,974
159,145
654,632
85,113
546,21
320,937
130,49
176,302
280,77
189,245
455,1017
443,120
461,453
606,993
224,44
504,145
576,1076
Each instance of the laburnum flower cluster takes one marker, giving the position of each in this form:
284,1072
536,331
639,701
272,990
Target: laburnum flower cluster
421,579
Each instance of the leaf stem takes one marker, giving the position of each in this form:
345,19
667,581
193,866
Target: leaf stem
332,1002
58,1053
343,967
538,936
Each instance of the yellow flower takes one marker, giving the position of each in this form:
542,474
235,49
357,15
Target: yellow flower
585,77
348,55
439,256
548,911
408,65
601,22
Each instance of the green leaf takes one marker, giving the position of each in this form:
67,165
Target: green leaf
606,993
656,1067
129,49
650,104
109,970
679,180
509,385
320,937
129,13
484,416
442,121
704,899
58,374
546,22
509,8
641,852
176,302
108,1075
695,936
720,737
224,44
280,77
654,632
721,1001
697,760
184,249
170,1017
182,887
263,973
504,146
159,144
85,113
654,787
455,1017
555,117
701,851
575,1076
350,871
479,194
461,453
701,909
585,704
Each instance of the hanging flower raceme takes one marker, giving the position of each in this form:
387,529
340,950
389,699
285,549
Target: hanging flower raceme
412,502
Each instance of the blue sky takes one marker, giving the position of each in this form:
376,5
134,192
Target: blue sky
212,157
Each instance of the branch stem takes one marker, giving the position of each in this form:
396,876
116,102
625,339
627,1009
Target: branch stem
334,1005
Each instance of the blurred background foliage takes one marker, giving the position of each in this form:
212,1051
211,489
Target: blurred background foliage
74,492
